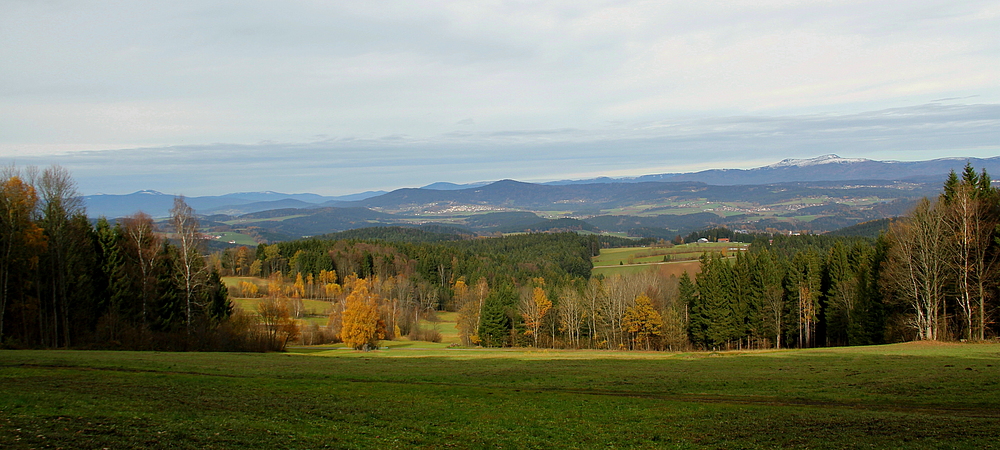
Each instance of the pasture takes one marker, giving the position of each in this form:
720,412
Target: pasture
649,255
679,259
914,395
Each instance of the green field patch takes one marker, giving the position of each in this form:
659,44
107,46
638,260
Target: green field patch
898,396
805,201
233,238
249,221
232,282
648,255
311,307
631,269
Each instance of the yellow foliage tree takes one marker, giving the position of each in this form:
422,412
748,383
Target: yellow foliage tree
643,321
327,276
21,241
299,288
255,268
361,326
533,311
332,290
274,287
248,289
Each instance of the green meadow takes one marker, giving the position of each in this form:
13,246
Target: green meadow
649,255
679,259
421,395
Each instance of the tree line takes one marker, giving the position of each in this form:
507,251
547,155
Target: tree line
932,276
66,281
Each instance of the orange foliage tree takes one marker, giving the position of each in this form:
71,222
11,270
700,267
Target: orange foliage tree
361,326
21,241
643,321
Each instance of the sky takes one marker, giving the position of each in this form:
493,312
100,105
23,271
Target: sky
208,97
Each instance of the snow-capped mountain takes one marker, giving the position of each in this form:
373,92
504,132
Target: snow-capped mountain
819,160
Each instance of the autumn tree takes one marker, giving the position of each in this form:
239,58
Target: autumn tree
534,308
248,289
643,322
361,327
242,261
278,324
20,241
617,294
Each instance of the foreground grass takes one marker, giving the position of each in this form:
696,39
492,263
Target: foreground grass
900,396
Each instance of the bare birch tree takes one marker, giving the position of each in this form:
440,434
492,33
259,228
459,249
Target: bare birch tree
917,270
971,222
191,266
60,201
572,313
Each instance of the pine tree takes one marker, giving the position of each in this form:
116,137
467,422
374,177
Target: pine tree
495,322
715,292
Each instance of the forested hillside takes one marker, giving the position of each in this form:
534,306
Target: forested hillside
67,282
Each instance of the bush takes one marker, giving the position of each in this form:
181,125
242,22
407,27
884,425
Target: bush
315,335
421,334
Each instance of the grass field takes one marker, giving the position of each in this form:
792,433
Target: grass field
898,396
235,238
631,260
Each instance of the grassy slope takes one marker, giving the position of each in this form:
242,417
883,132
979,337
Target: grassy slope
899,396
651,259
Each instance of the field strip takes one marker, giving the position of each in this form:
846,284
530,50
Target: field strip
986,413
121,369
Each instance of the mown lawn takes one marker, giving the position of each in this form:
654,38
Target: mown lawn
898,396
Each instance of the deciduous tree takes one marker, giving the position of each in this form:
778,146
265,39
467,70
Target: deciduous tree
534,308
643,322
361,327
190,264
20,240
916,267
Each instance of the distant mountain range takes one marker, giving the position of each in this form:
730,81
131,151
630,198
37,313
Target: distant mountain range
823,168
158,204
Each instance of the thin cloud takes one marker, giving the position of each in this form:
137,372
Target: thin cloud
340,166
340,97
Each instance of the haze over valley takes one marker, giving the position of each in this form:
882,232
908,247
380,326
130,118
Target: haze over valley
815,195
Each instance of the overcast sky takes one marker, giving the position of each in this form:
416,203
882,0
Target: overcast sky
206,97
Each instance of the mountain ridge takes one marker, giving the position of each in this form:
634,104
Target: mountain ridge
825,168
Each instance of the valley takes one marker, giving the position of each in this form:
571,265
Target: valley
771,199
